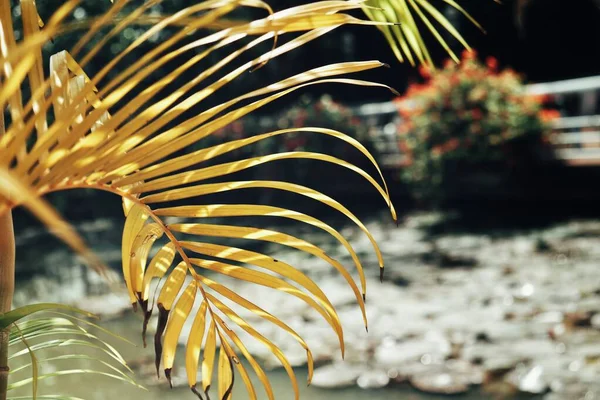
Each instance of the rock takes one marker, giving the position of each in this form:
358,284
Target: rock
590,351
578,319
574,390
524,246
589,304
473,374
497,368
373,379
337,375
392,354
108,305
549,317
524,292
595,321
530,380
440,382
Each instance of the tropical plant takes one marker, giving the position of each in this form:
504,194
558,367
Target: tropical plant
128,135
465,115
58,327
409,18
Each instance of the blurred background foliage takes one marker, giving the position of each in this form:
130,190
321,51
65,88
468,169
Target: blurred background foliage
323,112
464,118
543,40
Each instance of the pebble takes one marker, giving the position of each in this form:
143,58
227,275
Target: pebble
374,379
442,383
337,375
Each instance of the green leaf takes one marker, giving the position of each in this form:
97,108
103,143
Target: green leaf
46,397
63,372
34,365
13,316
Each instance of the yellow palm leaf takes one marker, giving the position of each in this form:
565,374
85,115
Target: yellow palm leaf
194,345
180,314
225,373
244,210
210,348
114,131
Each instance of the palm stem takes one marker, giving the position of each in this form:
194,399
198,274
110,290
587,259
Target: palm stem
7,283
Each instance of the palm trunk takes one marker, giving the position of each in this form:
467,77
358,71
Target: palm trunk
7,283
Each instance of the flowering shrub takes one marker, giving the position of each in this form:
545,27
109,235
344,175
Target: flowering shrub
462,116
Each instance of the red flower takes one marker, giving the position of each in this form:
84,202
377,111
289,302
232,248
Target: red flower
492,63
476,114
549,115
403,147
237,127
424,71
469,54
452,144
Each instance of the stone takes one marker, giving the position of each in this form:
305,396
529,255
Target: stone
337,375
440,382
373,379
524,246
108,305
595,321
578,319
549,317
392,354
531,380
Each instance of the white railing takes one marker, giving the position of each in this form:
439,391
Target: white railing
576,139
578,85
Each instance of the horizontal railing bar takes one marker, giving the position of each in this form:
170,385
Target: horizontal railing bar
576,137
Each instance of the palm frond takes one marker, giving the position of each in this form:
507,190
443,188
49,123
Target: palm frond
410,17
119,131
41,335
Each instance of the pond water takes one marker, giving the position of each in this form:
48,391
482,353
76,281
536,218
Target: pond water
97,387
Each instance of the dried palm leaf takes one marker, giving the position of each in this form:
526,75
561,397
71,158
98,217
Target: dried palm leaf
121,133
